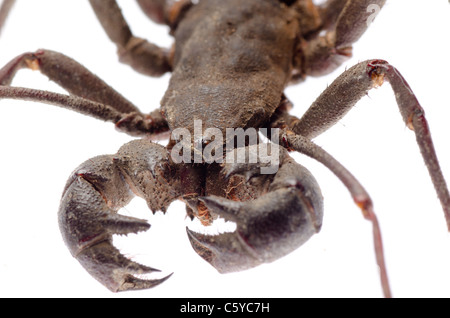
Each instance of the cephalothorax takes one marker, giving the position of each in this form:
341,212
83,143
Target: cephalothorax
230,64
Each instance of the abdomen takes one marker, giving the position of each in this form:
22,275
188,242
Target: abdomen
233,59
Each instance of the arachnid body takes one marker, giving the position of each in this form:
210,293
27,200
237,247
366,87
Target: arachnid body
81,145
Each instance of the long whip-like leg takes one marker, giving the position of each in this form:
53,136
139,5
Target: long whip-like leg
357,191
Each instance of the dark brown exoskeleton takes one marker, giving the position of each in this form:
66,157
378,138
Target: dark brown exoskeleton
230,63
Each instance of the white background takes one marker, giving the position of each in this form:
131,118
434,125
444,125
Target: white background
40,146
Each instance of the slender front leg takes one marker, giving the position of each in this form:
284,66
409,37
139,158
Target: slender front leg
93,195
301,144
89,94
143,56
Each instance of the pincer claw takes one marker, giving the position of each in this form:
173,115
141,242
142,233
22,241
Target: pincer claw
88,215
268,228
88,226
